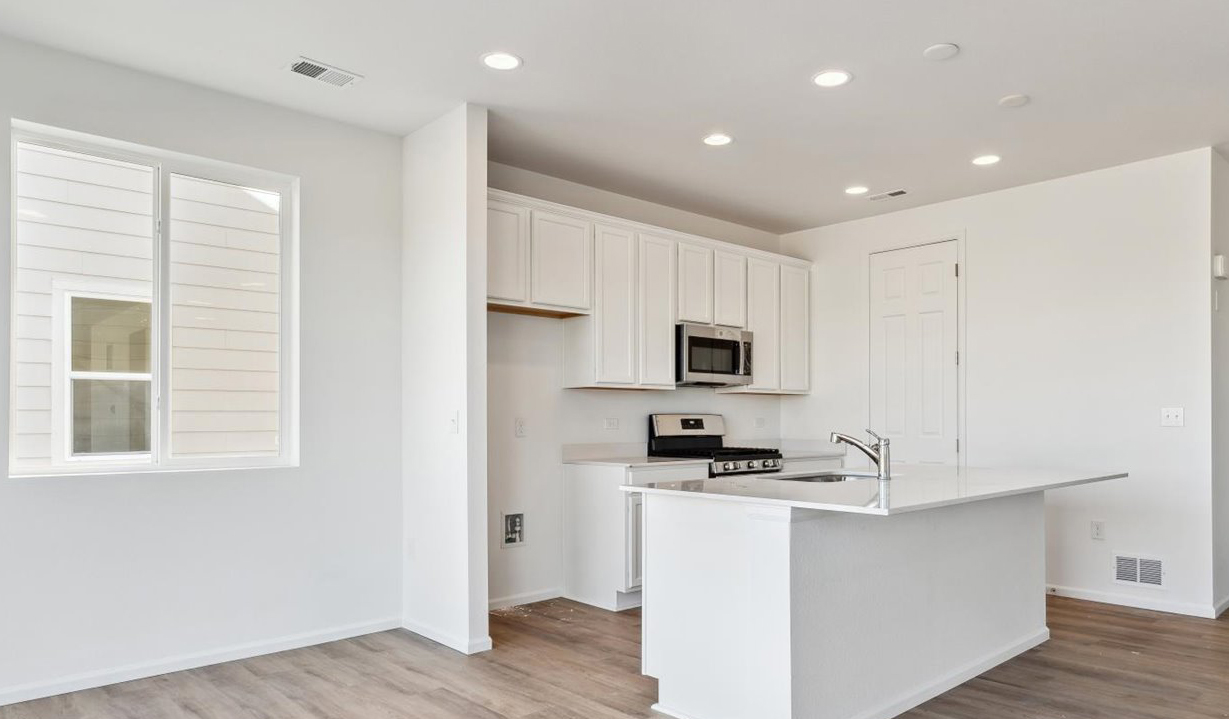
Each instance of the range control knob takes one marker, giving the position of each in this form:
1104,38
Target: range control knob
726,466
751,464
737,465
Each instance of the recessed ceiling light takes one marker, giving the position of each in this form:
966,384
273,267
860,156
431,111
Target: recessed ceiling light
831,78
717,139
984,160
1014,101
942,51
501,61
857,190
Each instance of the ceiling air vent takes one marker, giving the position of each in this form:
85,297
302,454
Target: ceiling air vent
1139,570
334,76
887,195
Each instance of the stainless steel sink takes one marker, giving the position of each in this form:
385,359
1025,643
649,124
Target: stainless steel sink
830,476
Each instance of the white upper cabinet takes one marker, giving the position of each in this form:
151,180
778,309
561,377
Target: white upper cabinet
695,283
764,321
658,276
614,311
621,287
507,228
795,329
729,289
560,262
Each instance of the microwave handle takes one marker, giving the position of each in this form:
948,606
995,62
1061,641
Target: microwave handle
745,359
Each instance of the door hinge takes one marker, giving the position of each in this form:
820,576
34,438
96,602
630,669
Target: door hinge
957,445
957,356
957,269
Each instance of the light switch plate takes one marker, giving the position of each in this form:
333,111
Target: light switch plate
519,427
1173,417
611,423
1098,530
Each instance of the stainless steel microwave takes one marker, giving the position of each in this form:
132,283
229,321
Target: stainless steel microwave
712,356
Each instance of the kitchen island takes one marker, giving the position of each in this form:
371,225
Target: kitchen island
776,598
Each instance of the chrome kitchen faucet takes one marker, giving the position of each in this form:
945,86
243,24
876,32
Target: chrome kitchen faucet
878,452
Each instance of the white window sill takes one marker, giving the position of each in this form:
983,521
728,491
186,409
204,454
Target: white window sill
111,471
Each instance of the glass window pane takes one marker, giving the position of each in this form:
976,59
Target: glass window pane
225,274
110,335
77,218
110,416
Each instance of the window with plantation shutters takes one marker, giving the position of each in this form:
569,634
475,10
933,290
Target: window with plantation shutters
150,327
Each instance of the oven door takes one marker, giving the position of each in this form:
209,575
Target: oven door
712,356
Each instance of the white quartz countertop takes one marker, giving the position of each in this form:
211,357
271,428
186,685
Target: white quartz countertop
911,488
645,461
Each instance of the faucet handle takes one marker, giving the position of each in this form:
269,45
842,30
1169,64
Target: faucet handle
878,439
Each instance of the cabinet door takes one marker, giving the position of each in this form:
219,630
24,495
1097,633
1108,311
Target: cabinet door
657,292
614,307
507,231
795,329
729,289
695,284
560,261
634,556
764,321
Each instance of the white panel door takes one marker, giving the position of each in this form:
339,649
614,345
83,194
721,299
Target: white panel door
764,321
913,393
507,252
729,289
657,292
695,284
559,261
614,311
795,329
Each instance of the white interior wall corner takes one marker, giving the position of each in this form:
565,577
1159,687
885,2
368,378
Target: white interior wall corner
444,380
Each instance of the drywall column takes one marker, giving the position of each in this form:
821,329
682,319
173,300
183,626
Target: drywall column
1220,390
443,358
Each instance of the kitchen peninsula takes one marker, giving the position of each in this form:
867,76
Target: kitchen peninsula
784,598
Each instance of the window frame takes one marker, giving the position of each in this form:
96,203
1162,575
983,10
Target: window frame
165,164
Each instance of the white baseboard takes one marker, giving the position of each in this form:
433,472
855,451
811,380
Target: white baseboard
1206,611
515,600
1221,606
460,644
955,678
103,677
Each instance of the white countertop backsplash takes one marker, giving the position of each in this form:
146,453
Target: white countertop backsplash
633,455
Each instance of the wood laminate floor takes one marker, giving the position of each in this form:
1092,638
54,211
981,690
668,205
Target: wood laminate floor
563,660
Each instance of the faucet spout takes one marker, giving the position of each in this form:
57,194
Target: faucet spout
878,451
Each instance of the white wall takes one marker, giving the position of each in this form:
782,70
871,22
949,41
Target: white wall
1220,387
525,370
444,421
1088,311
545,187
111,577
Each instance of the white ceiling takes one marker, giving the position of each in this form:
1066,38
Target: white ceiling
618,93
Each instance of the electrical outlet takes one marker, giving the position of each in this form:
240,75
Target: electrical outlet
513,526
519,427
611,423
760,423
1173,417
1098,530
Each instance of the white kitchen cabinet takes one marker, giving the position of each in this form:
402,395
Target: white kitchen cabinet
764,321
695,283
795,329
560,262
634,557
628,340
729,289
658,276
507,252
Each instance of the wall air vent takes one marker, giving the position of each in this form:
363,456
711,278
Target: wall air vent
888,195
1143,571
328,74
